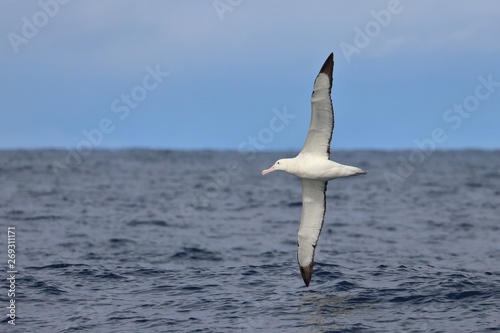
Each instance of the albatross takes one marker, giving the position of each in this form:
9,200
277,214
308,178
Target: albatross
314,168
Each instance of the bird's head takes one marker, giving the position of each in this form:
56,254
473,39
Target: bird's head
279,165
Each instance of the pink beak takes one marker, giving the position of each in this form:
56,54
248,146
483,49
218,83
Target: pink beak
271,169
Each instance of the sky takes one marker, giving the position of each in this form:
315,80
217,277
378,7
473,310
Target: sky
238,74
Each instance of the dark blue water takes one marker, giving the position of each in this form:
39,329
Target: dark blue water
163,241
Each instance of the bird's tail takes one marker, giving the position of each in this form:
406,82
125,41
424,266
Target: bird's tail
355,171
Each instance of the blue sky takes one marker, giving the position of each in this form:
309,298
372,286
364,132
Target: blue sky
228,74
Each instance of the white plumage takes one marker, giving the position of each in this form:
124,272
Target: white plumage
314,167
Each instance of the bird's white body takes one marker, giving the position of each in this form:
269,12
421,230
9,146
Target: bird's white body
314,168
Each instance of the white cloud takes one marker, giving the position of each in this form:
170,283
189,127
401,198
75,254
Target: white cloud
120,35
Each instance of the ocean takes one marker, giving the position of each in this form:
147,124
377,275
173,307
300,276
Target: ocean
144,240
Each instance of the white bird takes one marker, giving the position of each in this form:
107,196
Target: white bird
314,168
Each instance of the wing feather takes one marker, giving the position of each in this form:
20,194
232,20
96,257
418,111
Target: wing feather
322,120
311,222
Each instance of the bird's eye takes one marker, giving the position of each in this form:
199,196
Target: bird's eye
277,162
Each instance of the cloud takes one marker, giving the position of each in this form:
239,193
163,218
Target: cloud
117,35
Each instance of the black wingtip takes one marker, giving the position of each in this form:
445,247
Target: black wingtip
328,67
306,272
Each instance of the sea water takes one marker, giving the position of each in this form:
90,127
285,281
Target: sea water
199,241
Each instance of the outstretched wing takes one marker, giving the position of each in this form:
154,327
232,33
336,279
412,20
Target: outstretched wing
321,127
311,222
